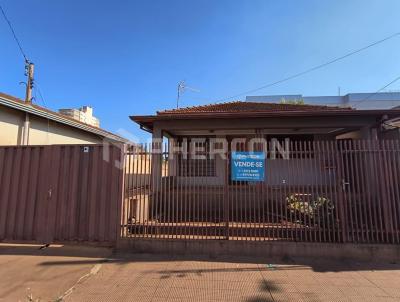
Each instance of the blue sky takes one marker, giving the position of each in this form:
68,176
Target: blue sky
126,57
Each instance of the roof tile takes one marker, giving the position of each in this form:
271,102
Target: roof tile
239,106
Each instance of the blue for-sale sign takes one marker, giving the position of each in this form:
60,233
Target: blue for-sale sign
248,166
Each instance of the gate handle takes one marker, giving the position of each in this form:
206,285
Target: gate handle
344,183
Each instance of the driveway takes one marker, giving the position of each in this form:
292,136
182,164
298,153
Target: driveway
91,274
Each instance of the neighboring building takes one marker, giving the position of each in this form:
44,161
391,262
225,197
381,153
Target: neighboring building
83,114
29,124
381,100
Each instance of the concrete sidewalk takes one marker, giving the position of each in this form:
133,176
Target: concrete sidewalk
157,278
75,273
28,273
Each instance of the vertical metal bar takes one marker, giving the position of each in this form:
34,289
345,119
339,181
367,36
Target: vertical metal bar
164,193
349,193
146,197
187,193
239,204
274,194
259,197
134,189
391,189
312,156
396,169
323,190
226,202
330,192
196,162
367,188
313,189
329,195
167,207
157,146
374,195
282,194
326,179
141,192
360,191
181,177
319,190
302,214
190,189
178,196
319,181
310,192
380,196
248,202
291,188
173,187
149,187
170,201
205,176
297,188
387,185
263,192
125,191
139,209
152,197
395,187
352,191
232,200
305,191
335,187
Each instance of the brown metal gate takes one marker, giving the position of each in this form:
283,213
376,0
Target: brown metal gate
326,191
60,193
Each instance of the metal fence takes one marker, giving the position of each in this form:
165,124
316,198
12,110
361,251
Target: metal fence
323,191
60,193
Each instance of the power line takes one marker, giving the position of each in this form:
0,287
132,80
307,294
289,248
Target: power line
40,94
311,69
13,32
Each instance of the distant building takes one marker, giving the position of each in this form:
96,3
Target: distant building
381,100
30,124
83,114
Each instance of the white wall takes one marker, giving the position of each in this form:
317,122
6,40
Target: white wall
41,132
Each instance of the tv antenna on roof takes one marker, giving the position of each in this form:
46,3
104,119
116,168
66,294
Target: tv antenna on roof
182,87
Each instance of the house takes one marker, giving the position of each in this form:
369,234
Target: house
30,124
247,120
373,100
281,171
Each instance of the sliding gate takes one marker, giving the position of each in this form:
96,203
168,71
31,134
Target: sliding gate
60,193
320,191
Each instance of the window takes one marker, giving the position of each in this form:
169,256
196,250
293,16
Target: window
197,162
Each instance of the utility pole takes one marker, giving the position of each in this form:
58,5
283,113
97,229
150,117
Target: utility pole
29,68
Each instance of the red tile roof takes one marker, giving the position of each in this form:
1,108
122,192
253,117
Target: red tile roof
239,106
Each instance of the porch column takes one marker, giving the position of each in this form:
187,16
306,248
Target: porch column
368,133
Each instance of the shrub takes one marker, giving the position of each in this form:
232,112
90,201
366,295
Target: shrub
310,212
